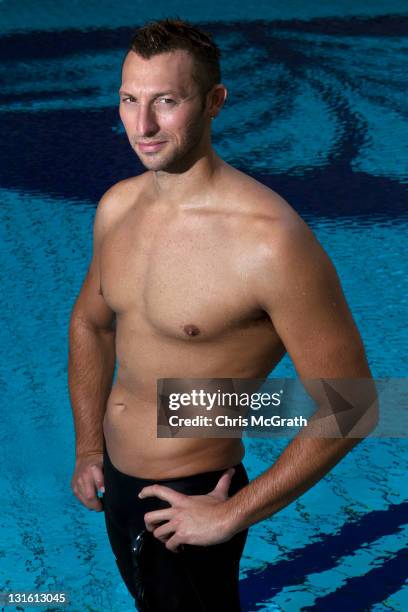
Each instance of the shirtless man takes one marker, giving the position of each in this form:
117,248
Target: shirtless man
198,271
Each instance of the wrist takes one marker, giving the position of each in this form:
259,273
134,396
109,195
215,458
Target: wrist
88,453
230,523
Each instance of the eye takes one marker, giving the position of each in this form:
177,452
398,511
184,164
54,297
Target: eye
166,101
128,99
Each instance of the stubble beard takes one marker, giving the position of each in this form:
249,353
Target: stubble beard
181,157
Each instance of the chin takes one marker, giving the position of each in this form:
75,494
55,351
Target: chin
154,165
157,164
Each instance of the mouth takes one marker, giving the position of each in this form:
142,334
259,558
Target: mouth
151,147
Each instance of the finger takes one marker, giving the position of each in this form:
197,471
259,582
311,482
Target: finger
88,488
173,543
224,483
164,493
151,519
94,504
98,478
84,488
163,532
89,500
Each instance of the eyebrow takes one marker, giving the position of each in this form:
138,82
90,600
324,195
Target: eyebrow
155,95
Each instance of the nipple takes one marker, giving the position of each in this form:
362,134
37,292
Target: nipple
191,330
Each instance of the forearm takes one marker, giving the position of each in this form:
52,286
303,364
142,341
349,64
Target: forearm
91,366
303,463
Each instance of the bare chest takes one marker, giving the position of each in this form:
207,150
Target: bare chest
179,280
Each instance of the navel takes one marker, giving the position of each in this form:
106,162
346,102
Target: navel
191,330
119,407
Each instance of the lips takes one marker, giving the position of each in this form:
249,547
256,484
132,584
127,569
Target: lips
151,146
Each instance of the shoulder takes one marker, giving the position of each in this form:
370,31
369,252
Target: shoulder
250,198
116,201
120,195
269,222
294,262
281,249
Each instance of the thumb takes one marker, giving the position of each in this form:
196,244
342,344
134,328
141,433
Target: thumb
223,485
98,478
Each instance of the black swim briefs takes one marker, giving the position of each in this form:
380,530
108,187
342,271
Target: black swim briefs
195,579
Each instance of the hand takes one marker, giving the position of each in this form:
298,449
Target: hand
87,479
192,519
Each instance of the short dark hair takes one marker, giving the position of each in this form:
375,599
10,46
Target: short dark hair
169,35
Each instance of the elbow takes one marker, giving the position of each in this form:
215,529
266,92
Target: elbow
368,410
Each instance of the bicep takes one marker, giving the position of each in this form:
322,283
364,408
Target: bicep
309,311
90,307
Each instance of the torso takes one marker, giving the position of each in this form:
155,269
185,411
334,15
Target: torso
179,281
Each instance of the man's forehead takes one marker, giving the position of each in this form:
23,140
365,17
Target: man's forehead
165,70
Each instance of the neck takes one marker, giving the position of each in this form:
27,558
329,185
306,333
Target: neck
189,182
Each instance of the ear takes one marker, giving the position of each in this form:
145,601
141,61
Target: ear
217,97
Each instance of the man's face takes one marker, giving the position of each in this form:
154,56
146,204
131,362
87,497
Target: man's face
161,109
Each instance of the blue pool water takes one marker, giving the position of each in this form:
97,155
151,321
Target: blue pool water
317,110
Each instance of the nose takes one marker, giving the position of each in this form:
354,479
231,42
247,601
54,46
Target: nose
146,123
